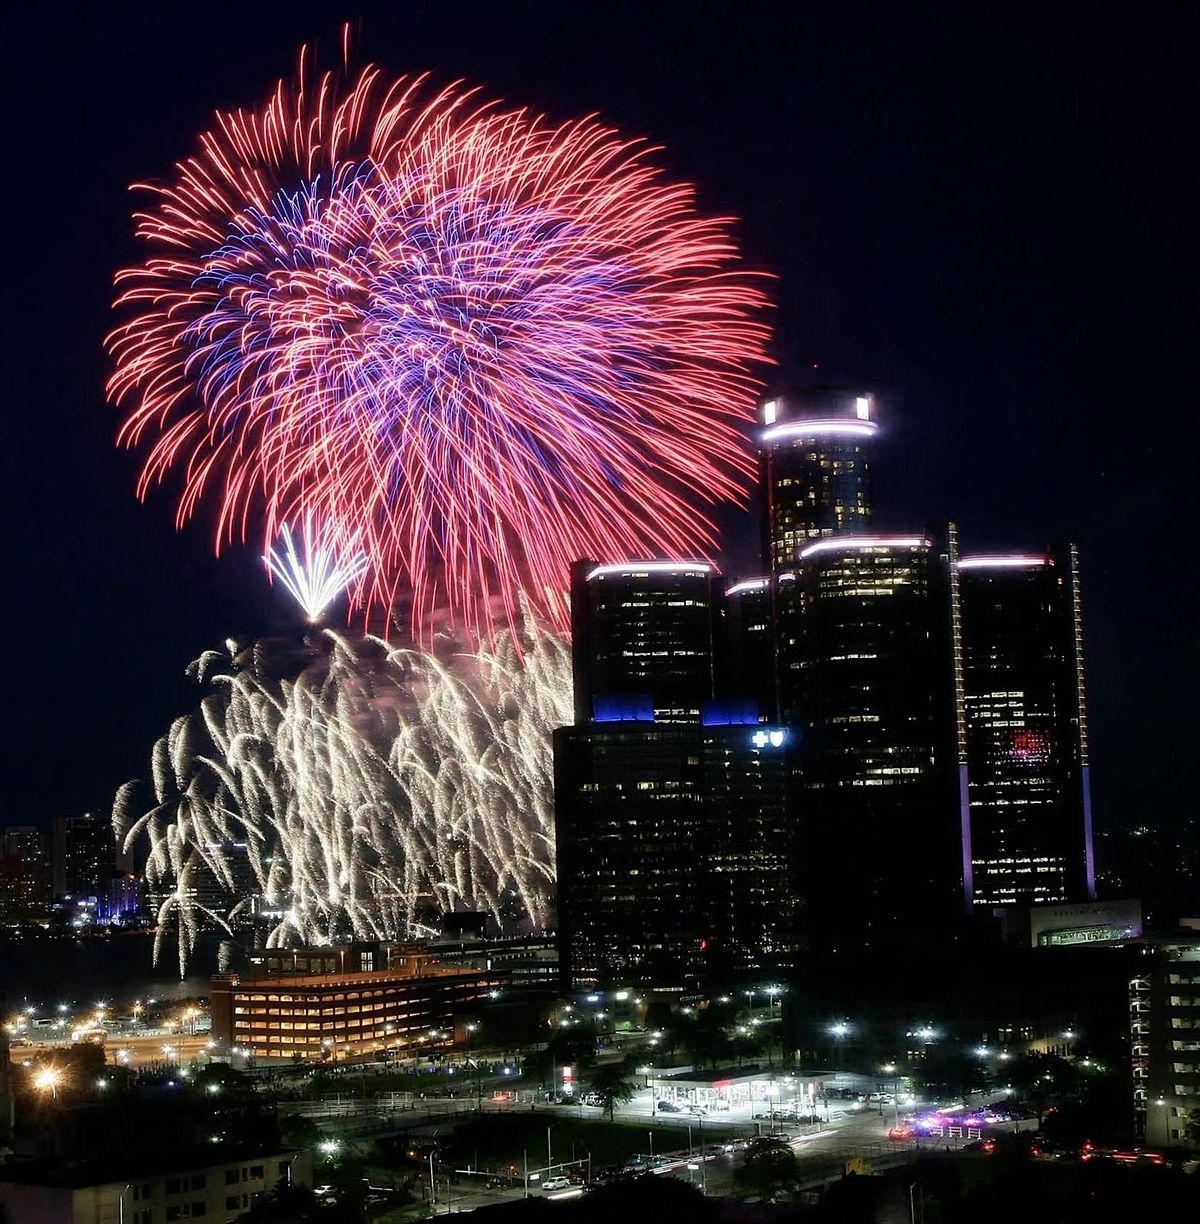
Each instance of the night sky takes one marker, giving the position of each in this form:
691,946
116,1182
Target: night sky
984,213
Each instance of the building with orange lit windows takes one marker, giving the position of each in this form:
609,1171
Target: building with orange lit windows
340,1015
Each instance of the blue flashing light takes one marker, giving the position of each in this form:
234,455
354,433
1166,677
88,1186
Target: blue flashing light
729,714
623,707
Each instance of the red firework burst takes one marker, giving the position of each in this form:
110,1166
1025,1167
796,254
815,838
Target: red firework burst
468,343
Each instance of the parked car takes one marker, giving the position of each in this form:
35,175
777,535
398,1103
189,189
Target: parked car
667,1107
556,1183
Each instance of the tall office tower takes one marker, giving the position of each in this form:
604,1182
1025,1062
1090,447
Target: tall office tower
814,469
84,854
674,851
750,897
642,639
867,675
627,817
1026,728
745,662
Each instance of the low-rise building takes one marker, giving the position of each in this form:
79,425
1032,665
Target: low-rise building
340,1015
215,1191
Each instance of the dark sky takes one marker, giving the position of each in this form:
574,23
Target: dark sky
986,213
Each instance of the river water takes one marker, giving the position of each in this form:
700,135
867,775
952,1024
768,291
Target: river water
44,973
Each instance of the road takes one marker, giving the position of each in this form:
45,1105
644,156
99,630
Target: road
823,1150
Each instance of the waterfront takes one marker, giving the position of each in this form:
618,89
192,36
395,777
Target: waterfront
46,972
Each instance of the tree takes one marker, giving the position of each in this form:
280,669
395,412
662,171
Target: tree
769,1170
611,1082
1191,1128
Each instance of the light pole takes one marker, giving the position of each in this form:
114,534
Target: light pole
478,1078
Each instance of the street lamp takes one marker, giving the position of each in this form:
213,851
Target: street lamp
478,1078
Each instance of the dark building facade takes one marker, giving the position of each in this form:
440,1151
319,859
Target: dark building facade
815,469
866,650
1025,717
642,636
674,851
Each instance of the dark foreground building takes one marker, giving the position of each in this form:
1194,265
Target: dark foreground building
1026,728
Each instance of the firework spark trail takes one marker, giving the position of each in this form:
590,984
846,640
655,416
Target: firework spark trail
315,574
479,343
373,789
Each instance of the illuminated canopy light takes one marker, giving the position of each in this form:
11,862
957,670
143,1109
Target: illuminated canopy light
855,543
750,584
1001,561
820,429
635,569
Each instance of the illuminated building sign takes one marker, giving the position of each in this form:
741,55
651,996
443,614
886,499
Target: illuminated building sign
772,737
1068,936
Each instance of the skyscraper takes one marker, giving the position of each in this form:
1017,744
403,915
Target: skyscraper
674,851
627,816
745,664
866,649
671,812
1026,728
84,854
642,639
815,470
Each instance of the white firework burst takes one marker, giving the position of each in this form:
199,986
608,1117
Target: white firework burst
372,788
317,573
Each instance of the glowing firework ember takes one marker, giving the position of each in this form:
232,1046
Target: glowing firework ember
360,798
313,574
471,343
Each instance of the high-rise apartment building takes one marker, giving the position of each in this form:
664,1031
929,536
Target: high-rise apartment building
84,854
1164,1035
1025,720
866,650
24,874
815,470
642,638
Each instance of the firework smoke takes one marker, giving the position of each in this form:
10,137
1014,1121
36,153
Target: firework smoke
372,790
